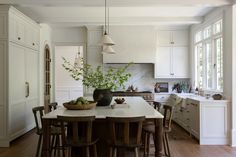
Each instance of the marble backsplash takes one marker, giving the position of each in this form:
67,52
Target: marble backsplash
142,77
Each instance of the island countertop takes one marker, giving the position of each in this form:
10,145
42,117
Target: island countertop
133,107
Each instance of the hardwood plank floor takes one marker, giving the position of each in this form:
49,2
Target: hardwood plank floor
181,144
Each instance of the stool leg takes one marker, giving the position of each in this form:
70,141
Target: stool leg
39,145
167,144
145,144
111,152
87,151
115,151
95,150
136,152
164,144
148,143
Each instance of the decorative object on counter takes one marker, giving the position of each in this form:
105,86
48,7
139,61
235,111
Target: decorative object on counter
217,96
157,88
79,104
181,87
161,87
208,96
120,100
102,81
132,89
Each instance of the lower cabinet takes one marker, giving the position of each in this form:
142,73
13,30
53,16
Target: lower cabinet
207,121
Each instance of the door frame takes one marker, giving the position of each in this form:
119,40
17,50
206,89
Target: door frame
53,61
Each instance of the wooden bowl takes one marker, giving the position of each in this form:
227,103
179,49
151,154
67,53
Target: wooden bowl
119,100
79,106
217,96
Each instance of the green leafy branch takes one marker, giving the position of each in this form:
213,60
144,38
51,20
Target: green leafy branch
97,78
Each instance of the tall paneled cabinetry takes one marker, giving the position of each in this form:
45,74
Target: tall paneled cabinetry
172,54
19,73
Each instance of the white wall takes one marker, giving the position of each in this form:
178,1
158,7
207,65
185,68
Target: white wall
45,39
234,76
66,88
69,35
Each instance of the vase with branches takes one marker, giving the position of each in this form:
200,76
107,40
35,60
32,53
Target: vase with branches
99,79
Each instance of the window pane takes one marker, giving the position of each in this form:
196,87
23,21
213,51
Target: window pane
217,27
219,63
209,65
200,67
198,36
207,32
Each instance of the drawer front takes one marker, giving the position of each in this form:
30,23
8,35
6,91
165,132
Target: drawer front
161,97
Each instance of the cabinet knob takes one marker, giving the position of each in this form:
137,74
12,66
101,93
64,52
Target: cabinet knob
18,38
33,44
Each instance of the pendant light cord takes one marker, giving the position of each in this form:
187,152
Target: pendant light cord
108,25
105,17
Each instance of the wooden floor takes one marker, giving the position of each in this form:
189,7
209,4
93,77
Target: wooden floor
182,145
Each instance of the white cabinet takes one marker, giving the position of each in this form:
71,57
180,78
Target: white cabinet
172,38
161,97
207,120
19,75
172,62
23,31
172,54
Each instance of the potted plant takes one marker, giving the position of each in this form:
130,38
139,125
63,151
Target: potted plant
102,81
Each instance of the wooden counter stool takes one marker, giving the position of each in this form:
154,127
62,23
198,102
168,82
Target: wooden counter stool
55,132
78,134
122,134
150,129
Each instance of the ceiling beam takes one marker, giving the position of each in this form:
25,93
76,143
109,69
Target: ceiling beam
118,3
75,21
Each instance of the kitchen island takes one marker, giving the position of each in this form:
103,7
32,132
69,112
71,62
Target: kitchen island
133,107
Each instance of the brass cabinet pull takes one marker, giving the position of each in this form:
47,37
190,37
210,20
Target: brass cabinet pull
27,89
18,38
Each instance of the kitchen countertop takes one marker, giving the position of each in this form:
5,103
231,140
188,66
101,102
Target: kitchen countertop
193,97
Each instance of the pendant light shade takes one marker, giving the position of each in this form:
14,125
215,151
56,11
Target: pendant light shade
107,49
106,40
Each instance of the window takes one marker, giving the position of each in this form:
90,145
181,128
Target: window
209,57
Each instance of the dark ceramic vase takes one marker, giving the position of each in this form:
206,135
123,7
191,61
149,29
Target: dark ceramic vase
103,97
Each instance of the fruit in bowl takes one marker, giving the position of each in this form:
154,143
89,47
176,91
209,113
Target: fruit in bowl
79,104
119,100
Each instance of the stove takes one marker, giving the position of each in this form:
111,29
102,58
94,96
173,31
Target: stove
147,95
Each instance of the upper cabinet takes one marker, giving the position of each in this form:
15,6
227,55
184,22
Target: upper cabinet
133,44
23,31
172,56
172,38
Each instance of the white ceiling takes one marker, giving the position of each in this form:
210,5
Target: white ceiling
122,12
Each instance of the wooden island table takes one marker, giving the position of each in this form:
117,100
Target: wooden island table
133,107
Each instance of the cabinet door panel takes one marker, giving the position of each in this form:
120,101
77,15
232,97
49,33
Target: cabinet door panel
32,72
180,38
16,74
163,62
164,38
180,62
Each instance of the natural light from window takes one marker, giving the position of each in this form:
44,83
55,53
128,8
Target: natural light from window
208,47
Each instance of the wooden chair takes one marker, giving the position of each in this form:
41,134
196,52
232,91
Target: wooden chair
150,129
55,132
79,133
52,106
122,134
